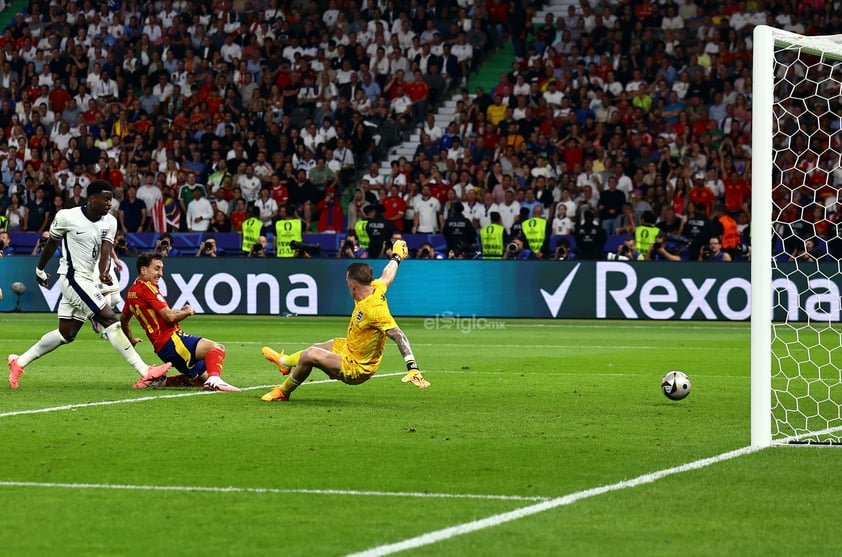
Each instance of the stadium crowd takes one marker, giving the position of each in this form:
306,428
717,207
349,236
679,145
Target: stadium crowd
624,120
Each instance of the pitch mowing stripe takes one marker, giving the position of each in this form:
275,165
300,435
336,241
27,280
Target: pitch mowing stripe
159,397
271,490
502,518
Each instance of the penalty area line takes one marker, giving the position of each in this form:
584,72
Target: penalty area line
154,397
502,518
270,490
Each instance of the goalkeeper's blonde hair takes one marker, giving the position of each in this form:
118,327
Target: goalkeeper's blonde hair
361,273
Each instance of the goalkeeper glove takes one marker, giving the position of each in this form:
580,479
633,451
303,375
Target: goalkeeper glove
413,375
399,251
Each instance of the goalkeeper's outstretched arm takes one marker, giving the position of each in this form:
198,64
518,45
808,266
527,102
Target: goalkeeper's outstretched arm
399,253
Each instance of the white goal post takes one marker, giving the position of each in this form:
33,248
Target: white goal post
796,340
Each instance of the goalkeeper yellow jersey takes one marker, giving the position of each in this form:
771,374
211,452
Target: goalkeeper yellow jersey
367,329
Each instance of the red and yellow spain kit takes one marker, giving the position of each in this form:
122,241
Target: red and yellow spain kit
143,300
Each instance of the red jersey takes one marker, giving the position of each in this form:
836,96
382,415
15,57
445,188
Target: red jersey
280,194
736,193
439,191
143,300
394,207
702,195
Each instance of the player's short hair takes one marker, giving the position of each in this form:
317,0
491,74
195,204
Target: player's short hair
361,273
146,258
99,186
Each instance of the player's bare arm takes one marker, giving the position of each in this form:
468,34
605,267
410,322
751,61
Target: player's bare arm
176,315
399,253
413,374
47,252
125,324
105,262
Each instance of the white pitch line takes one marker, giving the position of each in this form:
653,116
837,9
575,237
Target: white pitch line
270,490
148,398
498,519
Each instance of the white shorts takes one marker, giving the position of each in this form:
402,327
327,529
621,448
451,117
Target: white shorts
80,299
112,292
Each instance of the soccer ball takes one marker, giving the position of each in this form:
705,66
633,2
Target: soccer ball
675,385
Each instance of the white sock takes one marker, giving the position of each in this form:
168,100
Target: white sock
46,344
123,345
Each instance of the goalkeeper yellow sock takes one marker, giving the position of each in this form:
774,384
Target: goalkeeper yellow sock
291,360
289,385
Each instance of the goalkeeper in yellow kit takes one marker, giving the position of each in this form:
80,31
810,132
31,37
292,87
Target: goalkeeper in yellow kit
355,358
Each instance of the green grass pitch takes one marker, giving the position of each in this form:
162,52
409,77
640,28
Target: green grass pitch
520,413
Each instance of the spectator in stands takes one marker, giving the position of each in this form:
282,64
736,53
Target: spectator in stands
132,213
199,212
330,213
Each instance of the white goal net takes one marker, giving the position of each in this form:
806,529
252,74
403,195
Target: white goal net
796,181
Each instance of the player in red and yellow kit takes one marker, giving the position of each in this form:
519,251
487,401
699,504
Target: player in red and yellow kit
199,359
355,358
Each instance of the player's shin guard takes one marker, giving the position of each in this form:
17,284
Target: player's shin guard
214,361
123,345
46,344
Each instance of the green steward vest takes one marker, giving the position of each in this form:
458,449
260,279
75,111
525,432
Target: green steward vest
251,232
644,237
4,223
535,230
287,231
362,235
491,240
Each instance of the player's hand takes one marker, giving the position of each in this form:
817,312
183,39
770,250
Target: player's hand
414,376
42,276
135,341
105,278
400,250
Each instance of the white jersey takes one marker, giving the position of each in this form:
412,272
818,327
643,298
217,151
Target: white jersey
81,242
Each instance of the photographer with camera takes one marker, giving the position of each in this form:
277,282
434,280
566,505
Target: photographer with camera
517,250
121,246
426,251
42,241
661,250
164,246
713,251
627,251
259,248
351,248
563,251
209,248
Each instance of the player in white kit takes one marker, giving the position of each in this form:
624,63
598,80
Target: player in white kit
87,237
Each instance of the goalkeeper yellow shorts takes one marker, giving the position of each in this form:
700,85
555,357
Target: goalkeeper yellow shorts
352,372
